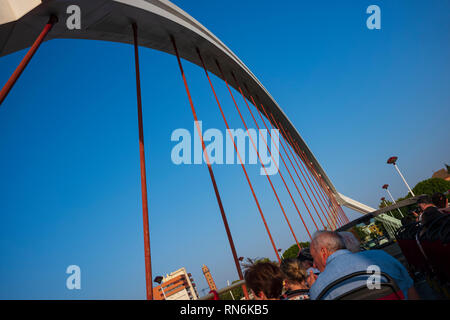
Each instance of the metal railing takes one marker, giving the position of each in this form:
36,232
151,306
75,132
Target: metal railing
374,214
223,290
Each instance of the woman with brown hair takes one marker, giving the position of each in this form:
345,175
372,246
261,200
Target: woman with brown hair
294,280
265,280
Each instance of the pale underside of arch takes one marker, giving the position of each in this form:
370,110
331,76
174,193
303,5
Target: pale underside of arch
110,20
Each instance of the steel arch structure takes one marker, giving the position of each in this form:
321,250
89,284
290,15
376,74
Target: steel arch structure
110,20
165,27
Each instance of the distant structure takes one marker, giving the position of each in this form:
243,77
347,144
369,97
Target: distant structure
177,285
443,173
209,278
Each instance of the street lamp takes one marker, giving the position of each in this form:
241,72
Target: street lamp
386,187
279,250
393,160
231,292
158,280
383,201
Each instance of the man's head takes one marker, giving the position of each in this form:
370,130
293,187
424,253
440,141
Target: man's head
265,280
440,200
424,202
323,245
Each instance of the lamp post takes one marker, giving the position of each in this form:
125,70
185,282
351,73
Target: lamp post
386,187
231,292
383,201
393,160
158,280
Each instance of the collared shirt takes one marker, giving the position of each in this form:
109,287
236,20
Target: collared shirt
343,262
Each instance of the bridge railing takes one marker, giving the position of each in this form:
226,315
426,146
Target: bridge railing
223,290
367,217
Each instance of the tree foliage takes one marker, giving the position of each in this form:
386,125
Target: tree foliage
292,251
431,186
428,186
238,293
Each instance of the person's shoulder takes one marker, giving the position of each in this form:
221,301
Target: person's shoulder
339,254
302,294
376,255
322,280
372,252
431,211
384,260
298,297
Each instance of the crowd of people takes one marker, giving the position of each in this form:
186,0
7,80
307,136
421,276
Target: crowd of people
332,256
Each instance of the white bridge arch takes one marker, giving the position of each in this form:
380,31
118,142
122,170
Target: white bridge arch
110,20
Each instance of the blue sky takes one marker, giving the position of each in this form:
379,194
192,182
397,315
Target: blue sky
69,165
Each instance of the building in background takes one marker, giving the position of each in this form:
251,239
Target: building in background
177,285
209,278
443,173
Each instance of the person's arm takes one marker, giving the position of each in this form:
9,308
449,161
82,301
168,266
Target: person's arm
311,278
412,294
313,289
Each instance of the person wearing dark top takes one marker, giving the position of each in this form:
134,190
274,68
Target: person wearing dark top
441,202
429,211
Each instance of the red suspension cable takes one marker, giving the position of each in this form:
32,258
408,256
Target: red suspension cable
333,224
238,154
12,80
279,171
148,262
254,146
248,179
211,173
287,145
331,197
330,221
320,185
282,159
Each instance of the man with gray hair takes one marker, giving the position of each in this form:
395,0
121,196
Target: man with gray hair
334,262
323,245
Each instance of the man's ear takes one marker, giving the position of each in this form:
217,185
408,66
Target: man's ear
323,252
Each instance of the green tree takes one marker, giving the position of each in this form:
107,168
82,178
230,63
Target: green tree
431,186
428,186
292,251
238,293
